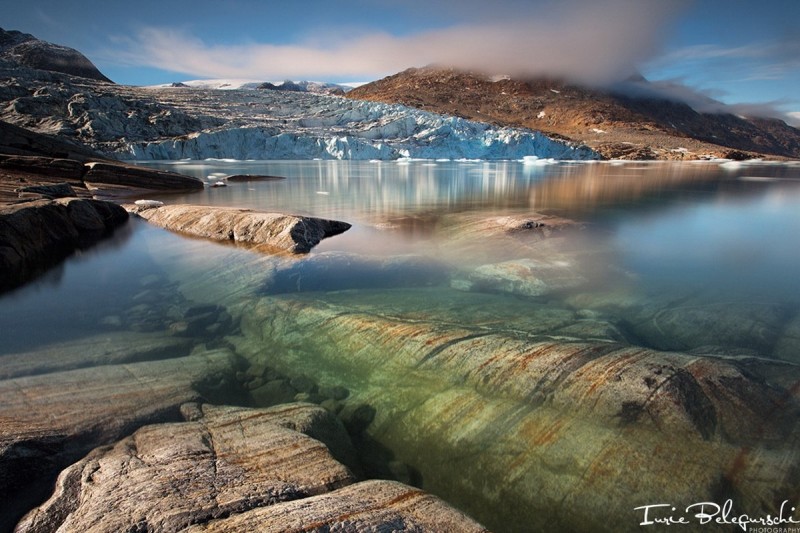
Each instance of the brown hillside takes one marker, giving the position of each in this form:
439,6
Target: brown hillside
616,125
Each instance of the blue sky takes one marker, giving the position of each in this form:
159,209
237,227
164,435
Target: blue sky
739,52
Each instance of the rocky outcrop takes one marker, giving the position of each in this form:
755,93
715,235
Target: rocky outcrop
234,469
553,417
39,234
367,506
266,231
166,477
47,421
144,178
26,50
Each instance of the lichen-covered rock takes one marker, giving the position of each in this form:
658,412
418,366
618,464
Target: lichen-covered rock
270,231
167,477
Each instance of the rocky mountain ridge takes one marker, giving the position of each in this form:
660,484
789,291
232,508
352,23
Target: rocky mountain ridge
24,49
628,122
125,122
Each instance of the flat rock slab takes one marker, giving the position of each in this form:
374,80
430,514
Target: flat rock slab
104,349
49,420
37,235
167,477
267,231
367,506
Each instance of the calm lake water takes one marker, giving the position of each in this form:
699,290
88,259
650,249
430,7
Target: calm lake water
720,240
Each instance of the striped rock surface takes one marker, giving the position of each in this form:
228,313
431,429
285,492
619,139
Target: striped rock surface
48,421
527,430
166,477
367,506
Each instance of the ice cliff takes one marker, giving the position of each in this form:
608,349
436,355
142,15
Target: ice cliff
140,123
305,126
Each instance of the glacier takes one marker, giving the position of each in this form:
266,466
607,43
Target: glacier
172,123
309,126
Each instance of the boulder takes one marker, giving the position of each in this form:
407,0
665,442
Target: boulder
47,421
266,231
39,234
139,177
167,477
526,429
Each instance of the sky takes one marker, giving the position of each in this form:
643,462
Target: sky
742,53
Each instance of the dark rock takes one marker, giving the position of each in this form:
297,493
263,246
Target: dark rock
273,392
28,51
144,178
336,392
60,190
37,235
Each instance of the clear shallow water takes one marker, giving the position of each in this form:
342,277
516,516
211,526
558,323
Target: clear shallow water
694,257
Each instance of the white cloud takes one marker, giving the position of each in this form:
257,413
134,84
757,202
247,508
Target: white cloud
794,118
590,42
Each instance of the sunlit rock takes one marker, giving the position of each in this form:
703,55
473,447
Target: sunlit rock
167,477
367,506
49,420
271,231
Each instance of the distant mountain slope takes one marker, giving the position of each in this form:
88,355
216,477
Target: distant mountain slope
615,124
26,50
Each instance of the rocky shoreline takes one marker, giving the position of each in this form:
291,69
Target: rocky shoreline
121,418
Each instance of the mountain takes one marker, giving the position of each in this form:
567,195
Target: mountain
26,50
125,122
629,121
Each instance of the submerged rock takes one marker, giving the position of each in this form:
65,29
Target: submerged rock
270,231
329,271
530,432
527,277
